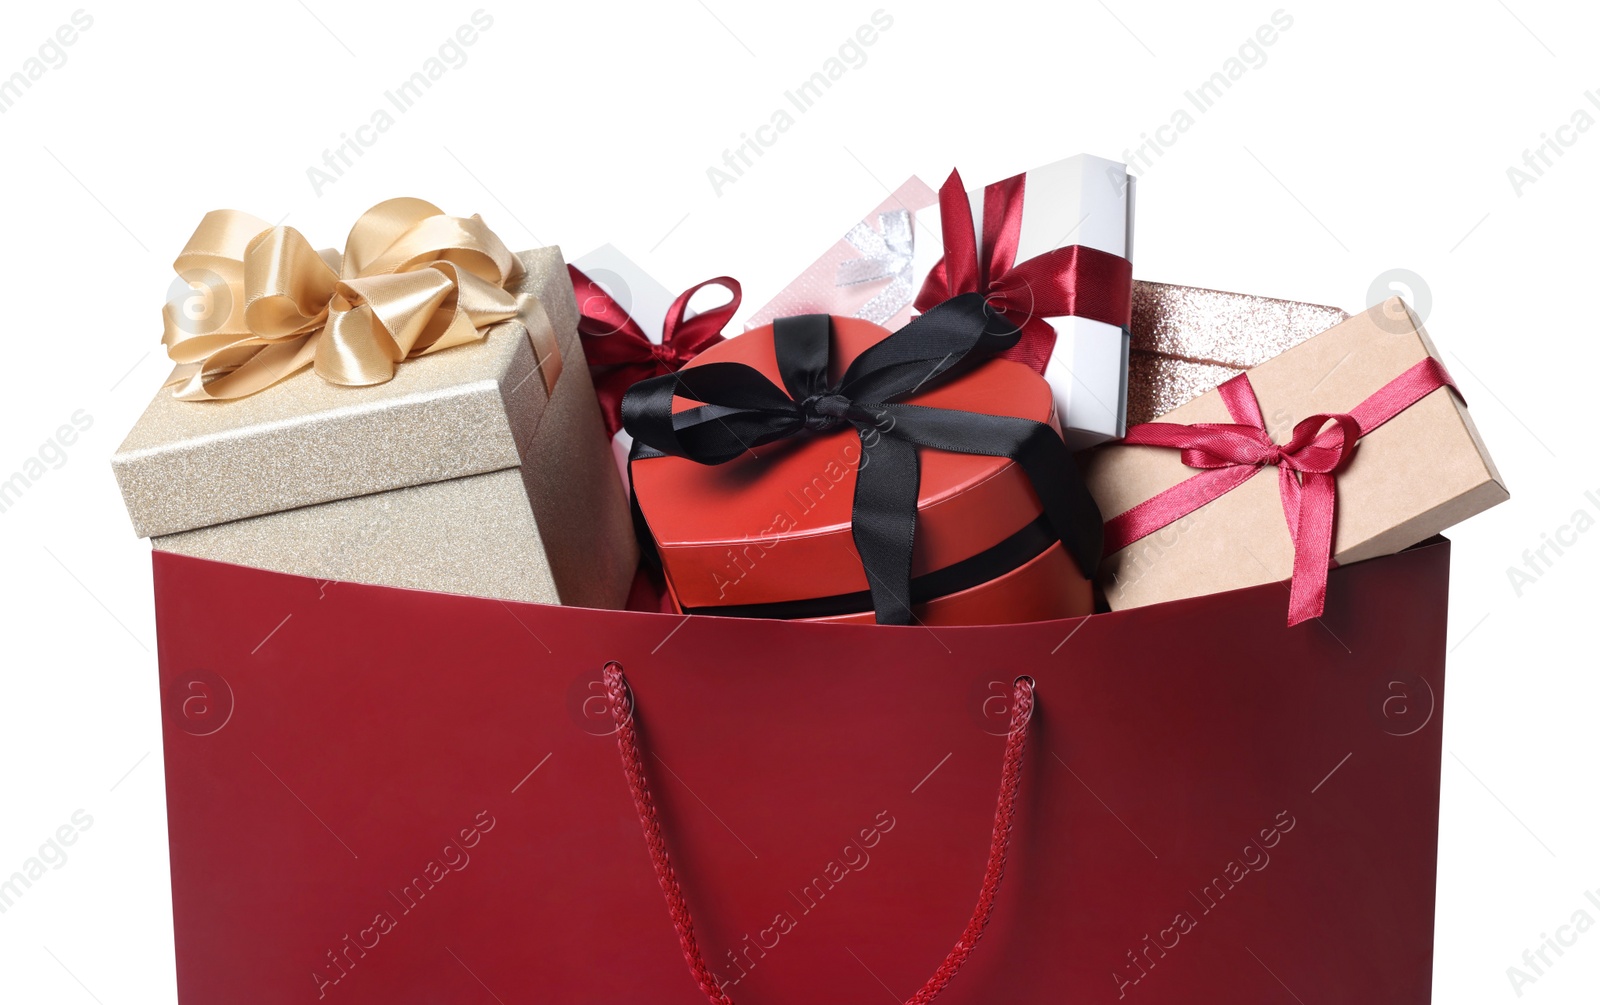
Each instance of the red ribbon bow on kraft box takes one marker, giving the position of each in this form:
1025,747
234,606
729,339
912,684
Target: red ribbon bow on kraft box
1380,461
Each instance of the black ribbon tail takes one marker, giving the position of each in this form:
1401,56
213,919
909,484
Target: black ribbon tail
641,530
1063,494
884,521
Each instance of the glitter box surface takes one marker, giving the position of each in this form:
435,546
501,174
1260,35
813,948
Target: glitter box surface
1187,340
481,470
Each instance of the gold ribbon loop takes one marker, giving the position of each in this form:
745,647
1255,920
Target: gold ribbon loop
411,281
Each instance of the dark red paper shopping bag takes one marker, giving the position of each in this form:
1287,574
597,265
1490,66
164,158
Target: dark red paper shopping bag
381,795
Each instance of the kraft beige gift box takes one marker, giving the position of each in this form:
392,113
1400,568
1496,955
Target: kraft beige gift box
482,469
1421,472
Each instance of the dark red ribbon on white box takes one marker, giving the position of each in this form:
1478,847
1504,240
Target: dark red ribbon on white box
1076,281
620,354
1230,454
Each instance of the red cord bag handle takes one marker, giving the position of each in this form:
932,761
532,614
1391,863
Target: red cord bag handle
620,703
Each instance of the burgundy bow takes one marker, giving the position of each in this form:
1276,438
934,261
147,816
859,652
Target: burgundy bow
1230,454
620,354
1076,280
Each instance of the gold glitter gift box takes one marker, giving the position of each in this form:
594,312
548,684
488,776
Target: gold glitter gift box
1187,340
482,469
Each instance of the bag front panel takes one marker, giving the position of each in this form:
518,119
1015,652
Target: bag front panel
381,795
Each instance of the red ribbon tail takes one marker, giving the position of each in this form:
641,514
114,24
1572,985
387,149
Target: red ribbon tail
960,240
1033,349
1313,545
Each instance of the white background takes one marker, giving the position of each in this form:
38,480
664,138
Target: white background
1374,136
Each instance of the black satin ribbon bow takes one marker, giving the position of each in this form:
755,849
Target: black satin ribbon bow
742,409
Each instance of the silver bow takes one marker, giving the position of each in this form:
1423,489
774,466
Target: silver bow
883,256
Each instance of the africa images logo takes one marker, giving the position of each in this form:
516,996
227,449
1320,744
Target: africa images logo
53,853
854,858
1254,858
51,456
452,858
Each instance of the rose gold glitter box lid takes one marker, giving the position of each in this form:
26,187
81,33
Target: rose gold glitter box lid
480,470
1187,340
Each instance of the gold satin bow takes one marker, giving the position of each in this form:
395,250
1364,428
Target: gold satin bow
411,281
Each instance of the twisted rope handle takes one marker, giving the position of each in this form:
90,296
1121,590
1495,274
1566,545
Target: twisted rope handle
619,702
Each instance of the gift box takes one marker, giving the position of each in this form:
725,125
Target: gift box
1053,246
1186,340
629,286
479,469
785,473
1350,445
869,273
633,329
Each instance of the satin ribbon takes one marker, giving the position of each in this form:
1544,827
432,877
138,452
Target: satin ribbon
411,281
1074,281
740,409
620,354
1230,454
885,255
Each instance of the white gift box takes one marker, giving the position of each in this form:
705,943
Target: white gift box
1083,200
634,290
644,299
